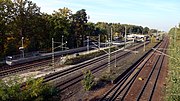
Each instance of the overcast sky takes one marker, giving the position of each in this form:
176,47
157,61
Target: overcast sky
157,14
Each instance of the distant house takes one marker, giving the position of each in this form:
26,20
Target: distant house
117,36
136,37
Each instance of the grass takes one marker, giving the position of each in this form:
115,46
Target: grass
173,80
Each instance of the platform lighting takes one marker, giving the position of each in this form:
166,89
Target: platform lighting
22,47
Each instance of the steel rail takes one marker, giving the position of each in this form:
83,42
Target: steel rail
77,78
124,78
159,60
120,83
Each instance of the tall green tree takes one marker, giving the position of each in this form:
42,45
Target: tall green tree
145,30
78,26
26,15
60,24
104,29
6,16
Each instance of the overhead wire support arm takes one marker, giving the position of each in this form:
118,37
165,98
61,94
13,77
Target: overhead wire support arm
53,48
57,42
61,46
109,52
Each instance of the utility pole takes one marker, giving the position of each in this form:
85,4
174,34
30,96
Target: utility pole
88,44
53,52
111,34
109,57
156,35
125,38
115,60
99,41
144,49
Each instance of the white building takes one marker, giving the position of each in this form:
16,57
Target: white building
136,37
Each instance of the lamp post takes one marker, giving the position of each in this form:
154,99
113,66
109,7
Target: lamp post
22,47
109,58
62,42
65,45
99,39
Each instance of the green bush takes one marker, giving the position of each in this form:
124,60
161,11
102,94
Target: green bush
173,80
32,90
88,81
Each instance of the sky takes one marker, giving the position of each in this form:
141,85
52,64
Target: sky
155,14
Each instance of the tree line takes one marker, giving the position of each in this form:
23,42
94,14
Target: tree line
23,18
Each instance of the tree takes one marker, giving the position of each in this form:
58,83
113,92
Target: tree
104,29
60,24
145,30
19,19
26,15
22,18
78,26
5,19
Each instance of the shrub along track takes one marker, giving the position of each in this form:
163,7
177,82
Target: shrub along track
140,81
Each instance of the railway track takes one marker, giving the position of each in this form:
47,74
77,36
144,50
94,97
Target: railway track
77,70
139,83
8,70
74,75
8,67
18,68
